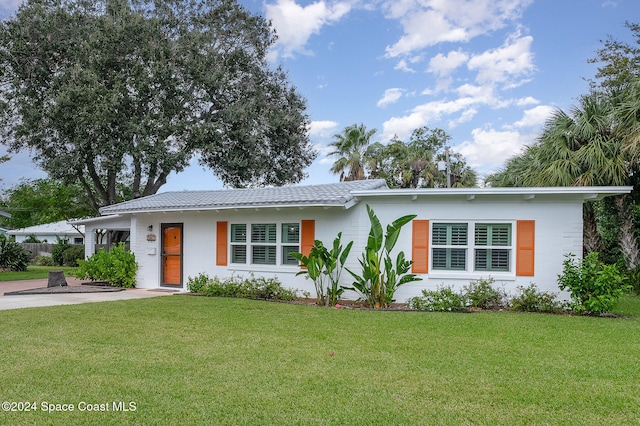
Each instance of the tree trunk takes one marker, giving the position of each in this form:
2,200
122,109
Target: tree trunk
56,279
627,238
592,240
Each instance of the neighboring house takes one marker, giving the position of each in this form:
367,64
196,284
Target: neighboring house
51,232
517,236
3,231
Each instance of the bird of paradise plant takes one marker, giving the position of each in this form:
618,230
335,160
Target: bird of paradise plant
381,276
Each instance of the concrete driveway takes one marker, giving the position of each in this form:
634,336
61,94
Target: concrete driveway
36,300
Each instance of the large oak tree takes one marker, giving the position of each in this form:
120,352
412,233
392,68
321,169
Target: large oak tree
112,92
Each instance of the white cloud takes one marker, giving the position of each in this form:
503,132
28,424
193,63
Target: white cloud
444,65
402,65
390,96
323,128
481,94
529,100
506,64
429,22
465,117
424,115
535,117
490,148
295,24
322,131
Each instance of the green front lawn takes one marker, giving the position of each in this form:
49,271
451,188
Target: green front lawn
197,360
35,272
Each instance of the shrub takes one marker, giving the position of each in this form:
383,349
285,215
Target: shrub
530,299
57,252
72,255
117,266
324,267
594,286
247,288
633,280
481,294
444,299
13,256
381,275
43,261
31,239
197,284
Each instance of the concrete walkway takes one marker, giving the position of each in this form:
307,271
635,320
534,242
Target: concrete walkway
36,300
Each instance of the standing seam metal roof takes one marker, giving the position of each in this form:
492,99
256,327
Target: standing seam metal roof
333,194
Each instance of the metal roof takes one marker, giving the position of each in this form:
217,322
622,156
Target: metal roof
326,195
56,228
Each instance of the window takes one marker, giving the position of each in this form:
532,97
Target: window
264,252
450,246
268,243
490,248
238,251
291,242
492,251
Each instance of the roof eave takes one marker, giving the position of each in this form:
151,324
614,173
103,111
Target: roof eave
587,193
345,205
91,220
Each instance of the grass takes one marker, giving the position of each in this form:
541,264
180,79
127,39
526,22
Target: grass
35,272
197,360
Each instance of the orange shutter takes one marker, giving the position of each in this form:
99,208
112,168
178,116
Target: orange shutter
525,247
221,243
420,247
308,235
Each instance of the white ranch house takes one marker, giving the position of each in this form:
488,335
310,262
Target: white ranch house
517,236
51,232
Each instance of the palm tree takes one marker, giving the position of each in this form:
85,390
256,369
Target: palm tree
350,146
582,148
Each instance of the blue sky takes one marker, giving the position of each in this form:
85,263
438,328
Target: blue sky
488,72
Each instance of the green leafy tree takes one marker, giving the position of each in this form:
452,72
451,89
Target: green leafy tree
43,201
126,92
350,147
414,164
619,62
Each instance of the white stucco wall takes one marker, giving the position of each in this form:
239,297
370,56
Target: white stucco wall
199,236
558,231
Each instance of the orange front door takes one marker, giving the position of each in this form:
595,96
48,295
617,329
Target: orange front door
172,254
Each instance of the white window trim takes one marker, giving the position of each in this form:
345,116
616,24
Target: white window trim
470,272
249,265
